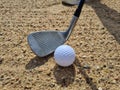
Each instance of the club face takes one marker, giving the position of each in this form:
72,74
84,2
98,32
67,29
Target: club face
45,42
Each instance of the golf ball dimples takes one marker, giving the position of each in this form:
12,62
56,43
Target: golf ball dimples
64,55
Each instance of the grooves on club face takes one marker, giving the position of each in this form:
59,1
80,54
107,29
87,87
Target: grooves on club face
45,42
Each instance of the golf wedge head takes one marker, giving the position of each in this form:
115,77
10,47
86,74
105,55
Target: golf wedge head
45,42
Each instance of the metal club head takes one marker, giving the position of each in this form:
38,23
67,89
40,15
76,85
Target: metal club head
45,42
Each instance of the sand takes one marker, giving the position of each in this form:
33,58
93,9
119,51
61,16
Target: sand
95,39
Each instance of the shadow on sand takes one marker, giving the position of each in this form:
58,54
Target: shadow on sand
88,79
64,75
109,17
37,61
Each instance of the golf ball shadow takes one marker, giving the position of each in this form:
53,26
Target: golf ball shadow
64,75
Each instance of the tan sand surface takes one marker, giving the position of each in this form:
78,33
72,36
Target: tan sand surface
96,40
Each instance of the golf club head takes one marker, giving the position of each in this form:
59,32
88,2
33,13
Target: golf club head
45,42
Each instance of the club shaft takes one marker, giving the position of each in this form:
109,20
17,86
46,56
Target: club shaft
75,18
79,8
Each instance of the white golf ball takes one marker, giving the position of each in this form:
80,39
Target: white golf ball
64,55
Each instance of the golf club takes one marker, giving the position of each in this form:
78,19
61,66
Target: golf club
45,42
74,2
70,2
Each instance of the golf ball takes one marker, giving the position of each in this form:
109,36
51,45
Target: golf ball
64,55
